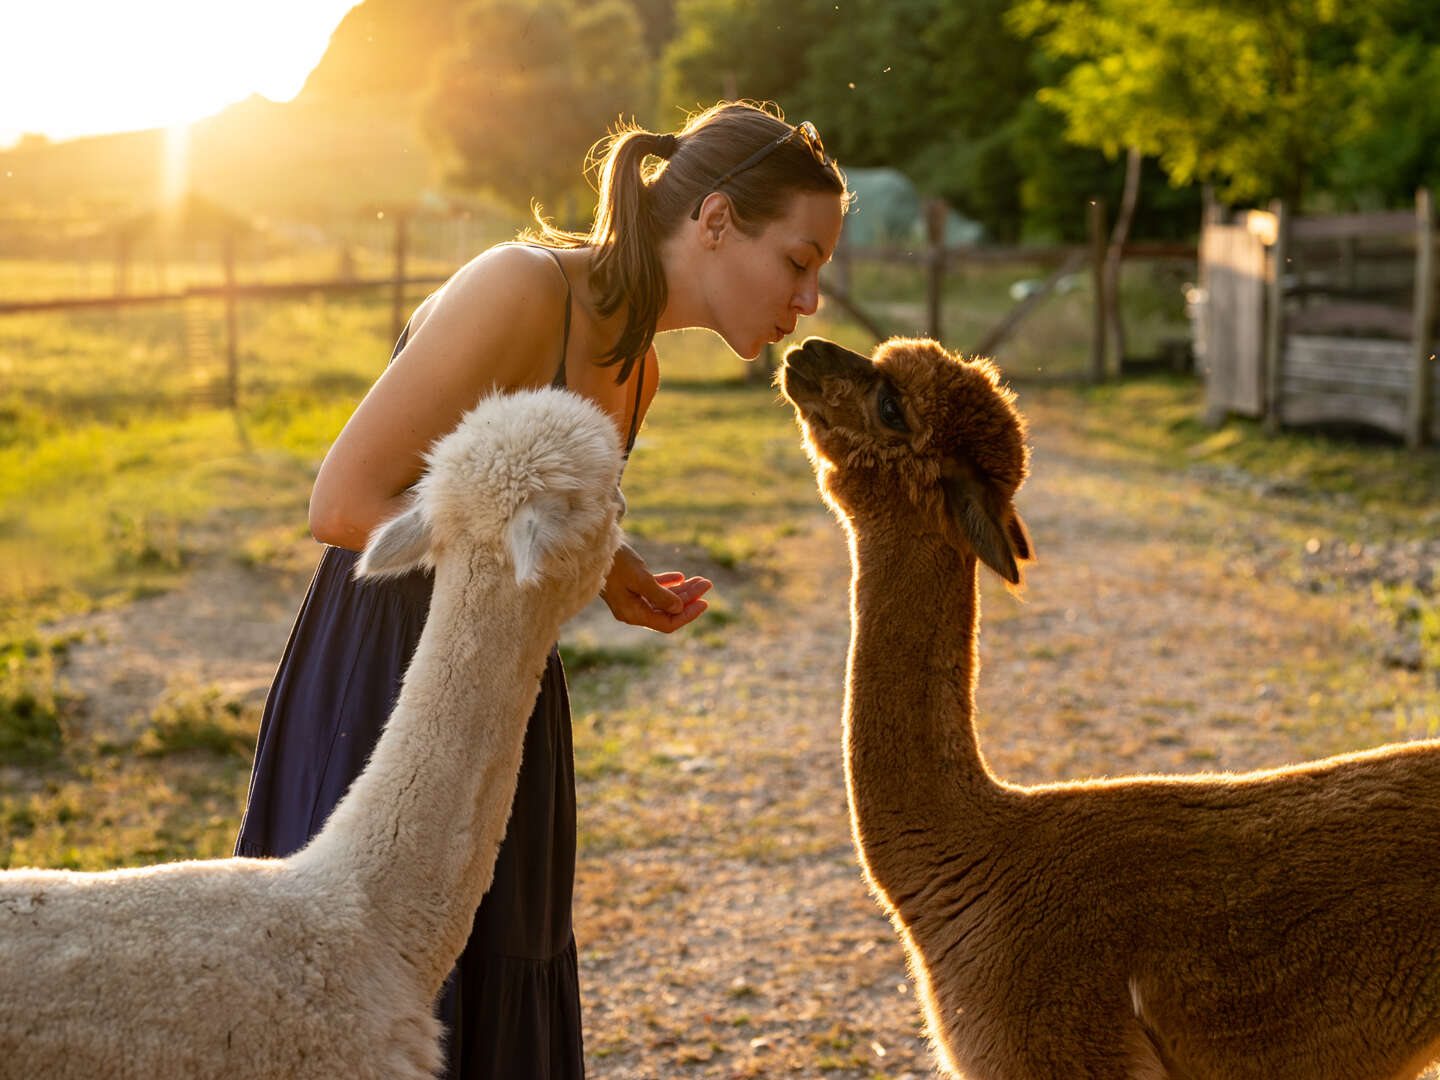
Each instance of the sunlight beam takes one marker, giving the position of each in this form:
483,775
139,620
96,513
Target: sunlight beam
175,173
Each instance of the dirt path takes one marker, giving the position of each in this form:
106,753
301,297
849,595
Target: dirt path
723,927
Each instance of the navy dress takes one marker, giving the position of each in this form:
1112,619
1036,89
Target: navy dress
511,1007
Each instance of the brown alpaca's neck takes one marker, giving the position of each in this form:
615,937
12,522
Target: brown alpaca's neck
917,781
416,836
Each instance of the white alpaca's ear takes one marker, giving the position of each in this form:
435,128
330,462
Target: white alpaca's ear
399,545
534,531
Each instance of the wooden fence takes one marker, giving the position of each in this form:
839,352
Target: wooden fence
934,256
1322,318
232,291
937,259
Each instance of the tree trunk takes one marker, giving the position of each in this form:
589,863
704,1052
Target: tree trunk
1118,236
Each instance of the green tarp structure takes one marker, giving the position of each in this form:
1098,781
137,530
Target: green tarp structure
889,212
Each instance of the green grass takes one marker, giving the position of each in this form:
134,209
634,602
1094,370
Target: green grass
1363,477
199,719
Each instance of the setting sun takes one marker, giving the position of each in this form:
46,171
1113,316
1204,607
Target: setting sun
81,67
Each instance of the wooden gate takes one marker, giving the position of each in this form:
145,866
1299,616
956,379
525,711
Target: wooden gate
1231,330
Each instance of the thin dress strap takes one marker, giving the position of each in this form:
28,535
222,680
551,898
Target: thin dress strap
559,380
635,417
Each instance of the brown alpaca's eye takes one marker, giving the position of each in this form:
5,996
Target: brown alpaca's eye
889,408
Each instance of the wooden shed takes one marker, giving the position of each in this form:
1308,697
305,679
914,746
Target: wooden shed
1322,319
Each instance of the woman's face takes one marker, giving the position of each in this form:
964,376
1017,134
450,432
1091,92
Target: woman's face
756,287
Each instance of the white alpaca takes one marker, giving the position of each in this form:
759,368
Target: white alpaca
327,963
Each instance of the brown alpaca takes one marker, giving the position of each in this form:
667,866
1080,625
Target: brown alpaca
1276,925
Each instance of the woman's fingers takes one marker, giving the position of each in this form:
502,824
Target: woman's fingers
662,602
653,592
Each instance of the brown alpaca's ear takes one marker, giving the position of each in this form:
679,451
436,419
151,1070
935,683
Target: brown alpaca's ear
996,535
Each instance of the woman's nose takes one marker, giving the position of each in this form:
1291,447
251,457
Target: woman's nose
807,300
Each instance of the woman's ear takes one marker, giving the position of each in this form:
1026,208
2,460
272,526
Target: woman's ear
714,219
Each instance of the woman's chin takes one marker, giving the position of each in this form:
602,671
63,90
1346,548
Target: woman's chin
746,350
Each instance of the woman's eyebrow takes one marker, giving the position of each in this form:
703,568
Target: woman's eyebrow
818,249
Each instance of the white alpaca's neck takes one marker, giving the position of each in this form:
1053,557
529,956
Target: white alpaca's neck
416,836
918,785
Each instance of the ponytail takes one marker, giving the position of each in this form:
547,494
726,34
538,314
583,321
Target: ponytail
626,270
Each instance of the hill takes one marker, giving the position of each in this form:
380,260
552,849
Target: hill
347,142
382,48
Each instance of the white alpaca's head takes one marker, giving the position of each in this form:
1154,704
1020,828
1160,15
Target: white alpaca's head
527,484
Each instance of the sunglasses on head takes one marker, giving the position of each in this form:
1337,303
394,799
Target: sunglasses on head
805,131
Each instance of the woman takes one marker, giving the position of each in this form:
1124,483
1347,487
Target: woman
728,233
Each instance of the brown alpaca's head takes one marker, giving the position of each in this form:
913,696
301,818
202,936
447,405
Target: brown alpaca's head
914,439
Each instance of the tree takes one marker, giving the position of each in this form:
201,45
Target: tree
944,92
731,49
528,89
1244,93
1391,140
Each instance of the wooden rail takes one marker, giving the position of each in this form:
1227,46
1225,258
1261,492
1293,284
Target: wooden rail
254,290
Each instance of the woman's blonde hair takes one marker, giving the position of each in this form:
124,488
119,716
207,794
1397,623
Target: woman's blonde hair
641,204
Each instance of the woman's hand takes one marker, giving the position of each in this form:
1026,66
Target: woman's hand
663,602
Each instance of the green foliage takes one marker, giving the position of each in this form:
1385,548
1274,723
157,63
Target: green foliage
754,49
528,88
1243,95
943,92
932,89
382,47
657,17
1392,143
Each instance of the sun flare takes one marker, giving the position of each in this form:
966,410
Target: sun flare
80,67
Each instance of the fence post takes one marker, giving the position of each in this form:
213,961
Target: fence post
935,214
232,350
1096,221
839,268
122,262
1274,358
397,296
1418,419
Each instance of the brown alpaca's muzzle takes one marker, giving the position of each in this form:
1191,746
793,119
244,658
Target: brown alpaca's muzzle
805,368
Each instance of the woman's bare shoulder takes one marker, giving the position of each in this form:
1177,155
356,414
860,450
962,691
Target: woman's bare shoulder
516,283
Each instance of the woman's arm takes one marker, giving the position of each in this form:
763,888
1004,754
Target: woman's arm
665,601
497,323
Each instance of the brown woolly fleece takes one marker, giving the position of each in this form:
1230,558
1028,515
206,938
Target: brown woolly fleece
1268,926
